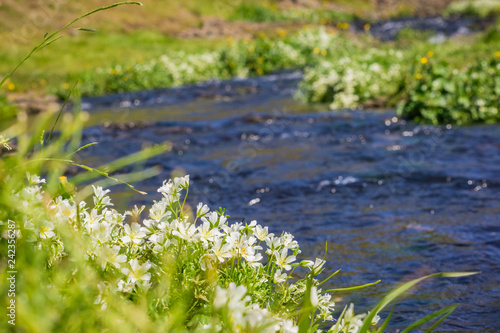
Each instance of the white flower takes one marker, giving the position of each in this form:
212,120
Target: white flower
207,233
262,233
234,297
273,243
100,197
111,255
137,272
182,182
133,234
34,179
126,287
220,250
46,231
159,211
185,232
168,188
279,277
283,260
287,326
202,209
314,266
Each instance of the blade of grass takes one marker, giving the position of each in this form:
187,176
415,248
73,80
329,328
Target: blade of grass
445,311
352,288
48,39
400,290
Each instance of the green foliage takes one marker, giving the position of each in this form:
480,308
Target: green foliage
7,109
474,8
270,13
441,94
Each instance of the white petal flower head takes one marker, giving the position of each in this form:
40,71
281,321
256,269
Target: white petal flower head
202,209
133,234
126,287
283,260
221,251
34,179
185,231
46,231
182,182
279,276
112,256
139,272
262,233
167,189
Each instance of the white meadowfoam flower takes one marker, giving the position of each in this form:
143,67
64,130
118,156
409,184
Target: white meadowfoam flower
254,261
184,231
158,211
137,272
234,238
288,242
202,209
102,232
234,297
221,251
100,197
273,243
111,255
207,233
317,266
326,306
213,219
235,227
283,260
182,182
262,233
208,261
287,326
133,234
279,277
91,220
126,287
168,188
34,179
46,231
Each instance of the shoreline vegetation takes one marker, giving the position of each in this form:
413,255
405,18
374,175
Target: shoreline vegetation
342,69
74,263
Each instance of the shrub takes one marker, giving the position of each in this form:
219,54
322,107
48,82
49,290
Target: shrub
439,94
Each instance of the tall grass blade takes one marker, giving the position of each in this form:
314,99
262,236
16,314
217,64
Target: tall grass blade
400,290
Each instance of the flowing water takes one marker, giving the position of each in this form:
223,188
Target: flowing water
394,200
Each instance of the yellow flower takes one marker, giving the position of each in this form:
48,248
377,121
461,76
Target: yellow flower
497,54
323,21
281,32
316,50
260,60
260,71
418,76
323,53
367,27
430,54
11,86
424,60
66,86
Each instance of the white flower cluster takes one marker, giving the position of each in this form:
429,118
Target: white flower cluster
349,82
130,250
